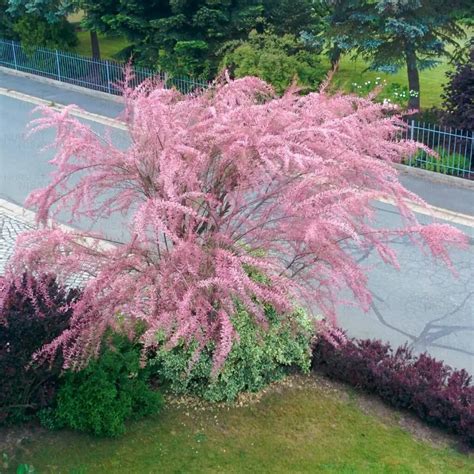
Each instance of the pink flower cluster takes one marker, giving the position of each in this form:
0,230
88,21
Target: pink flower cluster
220,186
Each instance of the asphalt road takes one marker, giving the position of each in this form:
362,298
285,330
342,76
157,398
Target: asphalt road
422,304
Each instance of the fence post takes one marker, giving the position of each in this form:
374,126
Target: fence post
57,64
108,77
14,55
412,135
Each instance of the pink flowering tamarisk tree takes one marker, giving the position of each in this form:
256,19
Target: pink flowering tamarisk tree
220,185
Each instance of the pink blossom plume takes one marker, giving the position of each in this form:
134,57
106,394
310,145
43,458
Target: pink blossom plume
218,185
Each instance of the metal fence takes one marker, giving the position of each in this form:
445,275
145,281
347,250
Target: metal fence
454,148
97,74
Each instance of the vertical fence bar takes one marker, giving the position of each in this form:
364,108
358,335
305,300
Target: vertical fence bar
412,132
14,56
108,77
423,154
460,145
440,166
471,152
428,165
57,65
466,170
443,147
470,157
449,140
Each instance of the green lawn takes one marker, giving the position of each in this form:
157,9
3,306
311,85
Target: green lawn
300,425
431,81
109,45
350,70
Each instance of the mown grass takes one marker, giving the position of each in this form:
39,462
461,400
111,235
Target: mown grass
109,45
311,427
350,70
431,81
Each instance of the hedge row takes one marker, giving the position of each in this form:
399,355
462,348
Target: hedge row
434,391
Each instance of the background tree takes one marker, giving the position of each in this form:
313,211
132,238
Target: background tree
332,13
393,33
34,31
290,16
6,22
50,14
42,23
186,37
179,37
459,94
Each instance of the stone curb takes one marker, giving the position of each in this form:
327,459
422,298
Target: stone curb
62,85
435,177
77,111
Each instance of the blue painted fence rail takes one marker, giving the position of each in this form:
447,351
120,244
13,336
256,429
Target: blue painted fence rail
455,147
96,74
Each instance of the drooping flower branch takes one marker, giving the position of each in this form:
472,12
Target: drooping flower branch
219,187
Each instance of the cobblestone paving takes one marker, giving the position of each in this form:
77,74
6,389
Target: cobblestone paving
10,227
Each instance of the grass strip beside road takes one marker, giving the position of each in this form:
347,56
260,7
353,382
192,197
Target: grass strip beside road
303,424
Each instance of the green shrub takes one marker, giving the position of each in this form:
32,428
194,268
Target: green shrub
34,31
258,358
108,391
275,59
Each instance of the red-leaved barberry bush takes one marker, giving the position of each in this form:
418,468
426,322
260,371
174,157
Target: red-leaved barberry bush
234,196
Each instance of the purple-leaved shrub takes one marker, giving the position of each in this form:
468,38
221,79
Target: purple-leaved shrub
35,311
428,387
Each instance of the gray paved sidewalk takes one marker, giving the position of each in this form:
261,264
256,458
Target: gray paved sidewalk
60,95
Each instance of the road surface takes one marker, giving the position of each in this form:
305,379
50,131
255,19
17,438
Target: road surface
422,303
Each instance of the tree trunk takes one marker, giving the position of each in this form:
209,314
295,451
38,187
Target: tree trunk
413,79
95,45
334,56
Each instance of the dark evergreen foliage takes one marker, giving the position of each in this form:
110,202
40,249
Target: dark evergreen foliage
459,94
